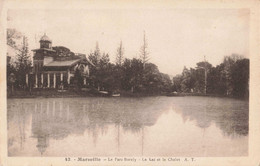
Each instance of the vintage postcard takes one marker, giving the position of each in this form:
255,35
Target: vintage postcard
130,83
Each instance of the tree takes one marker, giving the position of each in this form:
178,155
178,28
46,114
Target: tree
23,63
137,72
12,37
78,78
202,70
204,65
102,71
126,74
177,83
151,79
228,62
240,78
215,83
63,52
132,75
165,83
120,54
144,54
186,80
10,67
118,69
230,78
95,56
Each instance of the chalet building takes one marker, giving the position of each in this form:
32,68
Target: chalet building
55,67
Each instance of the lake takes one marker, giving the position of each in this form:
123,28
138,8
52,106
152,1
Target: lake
119,126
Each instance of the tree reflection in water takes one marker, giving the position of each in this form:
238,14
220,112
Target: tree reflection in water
56,119
231,115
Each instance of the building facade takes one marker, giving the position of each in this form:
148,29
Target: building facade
56,67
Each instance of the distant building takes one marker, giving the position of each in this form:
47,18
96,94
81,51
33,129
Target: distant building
55,67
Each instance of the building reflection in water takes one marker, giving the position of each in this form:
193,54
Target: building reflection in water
56,119
59,119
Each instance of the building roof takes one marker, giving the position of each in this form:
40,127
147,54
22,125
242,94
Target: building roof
62,63
45,38
90,62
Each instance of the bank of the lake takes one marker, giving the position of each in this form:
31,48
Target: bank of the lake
46,93
94,93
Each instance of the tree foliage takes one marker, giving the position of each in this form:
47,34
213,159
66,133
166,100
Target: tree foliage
144,54
12,36
22,63
120,54
127,75
134,75
230,78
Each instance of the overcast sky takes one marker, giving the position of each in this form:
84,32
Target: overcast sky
176,38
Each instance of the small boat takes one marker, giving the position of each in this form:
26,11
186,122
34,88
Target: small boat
103,92
116,95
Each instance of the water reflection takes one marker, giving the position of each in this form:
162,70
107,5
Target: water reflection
103,119
230,115
57,119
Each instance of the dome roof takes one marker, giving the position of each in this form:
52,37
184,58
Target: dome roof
45,38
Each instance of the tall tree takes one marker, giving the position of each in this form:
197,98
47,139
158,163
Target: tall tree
144,54
95,56
202,70
186,80
120,54
23,63
127,74
132,75
240,78
97,53
228,62
176,86
118,69
230,78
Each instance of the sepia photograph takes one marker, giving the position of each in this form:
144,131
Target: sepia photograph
124,84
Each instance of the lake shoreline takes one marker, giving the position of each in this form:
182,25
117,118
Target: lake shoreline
82,94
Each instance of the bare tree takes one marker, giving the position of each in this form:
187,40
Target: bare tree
120,54
12,37
144,54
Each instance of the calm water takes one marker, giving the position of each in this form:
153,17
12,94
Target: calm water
153,126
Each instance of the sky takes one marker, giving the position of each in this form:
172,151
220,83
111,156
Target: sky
176,37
